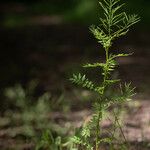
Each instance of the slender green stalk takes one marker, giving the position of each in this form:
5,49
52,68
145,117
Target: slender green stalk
99,113
98,130
120,128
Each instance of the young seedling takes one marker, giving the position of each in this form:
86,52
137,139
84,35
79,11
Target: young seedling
114,24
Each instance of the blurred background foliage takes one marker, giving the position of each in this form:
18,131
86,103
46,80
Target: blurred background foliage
68,11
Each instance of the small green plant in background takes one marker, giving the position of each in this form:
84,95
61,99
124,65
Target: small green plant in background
50,142
32,114
114,24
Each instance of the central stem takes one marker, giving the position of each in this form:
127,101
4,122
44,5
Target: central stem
100,102
98,128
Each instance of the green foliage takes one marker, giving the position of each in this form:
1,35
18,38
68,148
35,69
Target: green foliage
31,113
114,24
50,142
83,81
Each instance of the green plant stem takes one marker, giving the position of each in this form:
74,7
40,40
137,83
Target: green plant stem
107,57
106,71
100,103
120,128
98,128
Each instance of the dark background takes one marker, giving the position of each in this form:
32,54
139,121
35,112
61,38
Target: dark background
48,40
